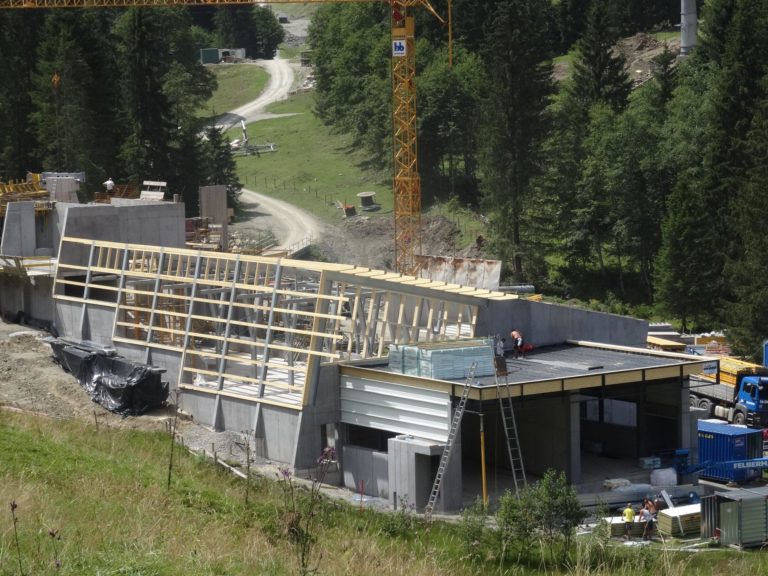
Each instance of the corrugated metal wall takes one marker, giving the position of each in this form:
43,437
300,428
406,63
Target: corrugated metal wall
753,522
395,408
729,523
709,519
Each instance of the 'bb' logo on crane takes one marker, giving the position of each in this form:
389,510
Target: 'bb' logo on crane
398,48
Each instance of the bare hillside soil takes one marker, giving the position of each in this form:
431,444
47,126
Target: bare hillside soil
638,51
370,241
31,381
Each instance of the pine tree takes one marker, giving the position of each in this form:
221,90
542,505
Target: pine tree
573,185
145,151
220,165
688,269
664,72
63,116
747,313
254,28
19,36
717,16
515,123
599,75
687,275
448,104
571,17
736,92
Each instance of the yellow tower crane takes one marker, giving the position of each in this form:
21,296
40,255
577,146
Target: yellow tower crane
406,183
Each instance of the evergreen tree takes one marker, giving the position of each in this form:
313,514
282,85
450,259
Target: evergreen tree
664,73
573,191
188,168
254,28
688,269
220,165
736,91
571,19
74,108
599,75
747,313
716,16
448,103
145,153
19,36
160,96
472,20
268,31
515,123
686,276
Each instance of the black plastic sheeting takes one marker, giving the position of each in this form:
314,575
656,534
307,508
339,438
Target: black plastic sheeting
116,383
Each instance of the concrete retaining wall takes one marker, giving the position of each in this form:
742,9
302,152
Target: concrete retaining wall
29,296
369,466
157,224
544,324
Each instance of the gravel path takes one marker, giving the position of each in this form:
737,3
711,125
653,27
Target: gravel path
289,224
281,79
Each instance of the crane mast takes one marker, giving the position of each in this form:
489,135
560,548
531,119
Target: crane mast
406,183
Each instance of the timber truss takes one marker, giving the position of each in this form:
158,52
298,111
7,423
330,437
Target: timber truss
253,327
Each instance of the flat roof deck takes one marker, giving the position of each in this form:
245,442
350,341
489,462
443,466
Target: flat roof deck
569,361
570,366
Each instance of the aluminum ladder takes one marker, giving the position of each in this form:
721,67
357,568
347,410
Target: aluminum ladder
445,458
510,431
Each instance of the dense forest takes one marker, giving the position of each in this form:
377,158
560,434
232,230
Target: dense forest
649,198
115,93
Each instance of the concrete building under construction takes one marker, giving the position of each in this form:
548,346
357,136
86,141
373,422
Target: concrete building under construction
303,355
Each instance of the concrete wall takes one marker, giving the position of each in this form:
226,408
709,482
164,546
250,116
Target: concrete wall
157,224
323,409
412,467
99,323
369,466
31,296
544,430
25,234
544,324
278,428
19,230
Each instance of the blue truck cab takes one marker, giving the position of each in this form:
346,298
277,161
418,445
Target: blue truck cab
751,401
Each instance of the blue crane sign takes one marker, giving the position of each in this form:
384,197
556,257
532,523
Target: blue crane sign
398,48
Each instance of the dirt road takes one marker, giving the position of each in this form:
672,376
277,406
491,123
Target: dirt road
289,224
281,80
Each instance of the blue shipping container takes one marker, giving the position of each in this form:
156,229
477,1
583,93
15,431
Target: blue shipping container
722,442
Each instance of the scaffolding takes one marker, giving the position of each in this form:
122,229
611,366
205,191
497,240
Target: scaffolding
256,327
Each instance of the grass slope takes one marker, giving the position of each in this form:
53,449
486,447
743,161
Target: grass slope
313,166
104,491
238,85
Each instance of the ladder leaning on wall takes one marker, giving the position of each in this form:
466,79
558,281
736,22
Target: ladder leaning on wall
445,458
510,431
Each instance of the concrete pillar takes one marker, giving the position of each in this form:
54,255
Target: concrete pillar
688,26
684,439
574,448
411,475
